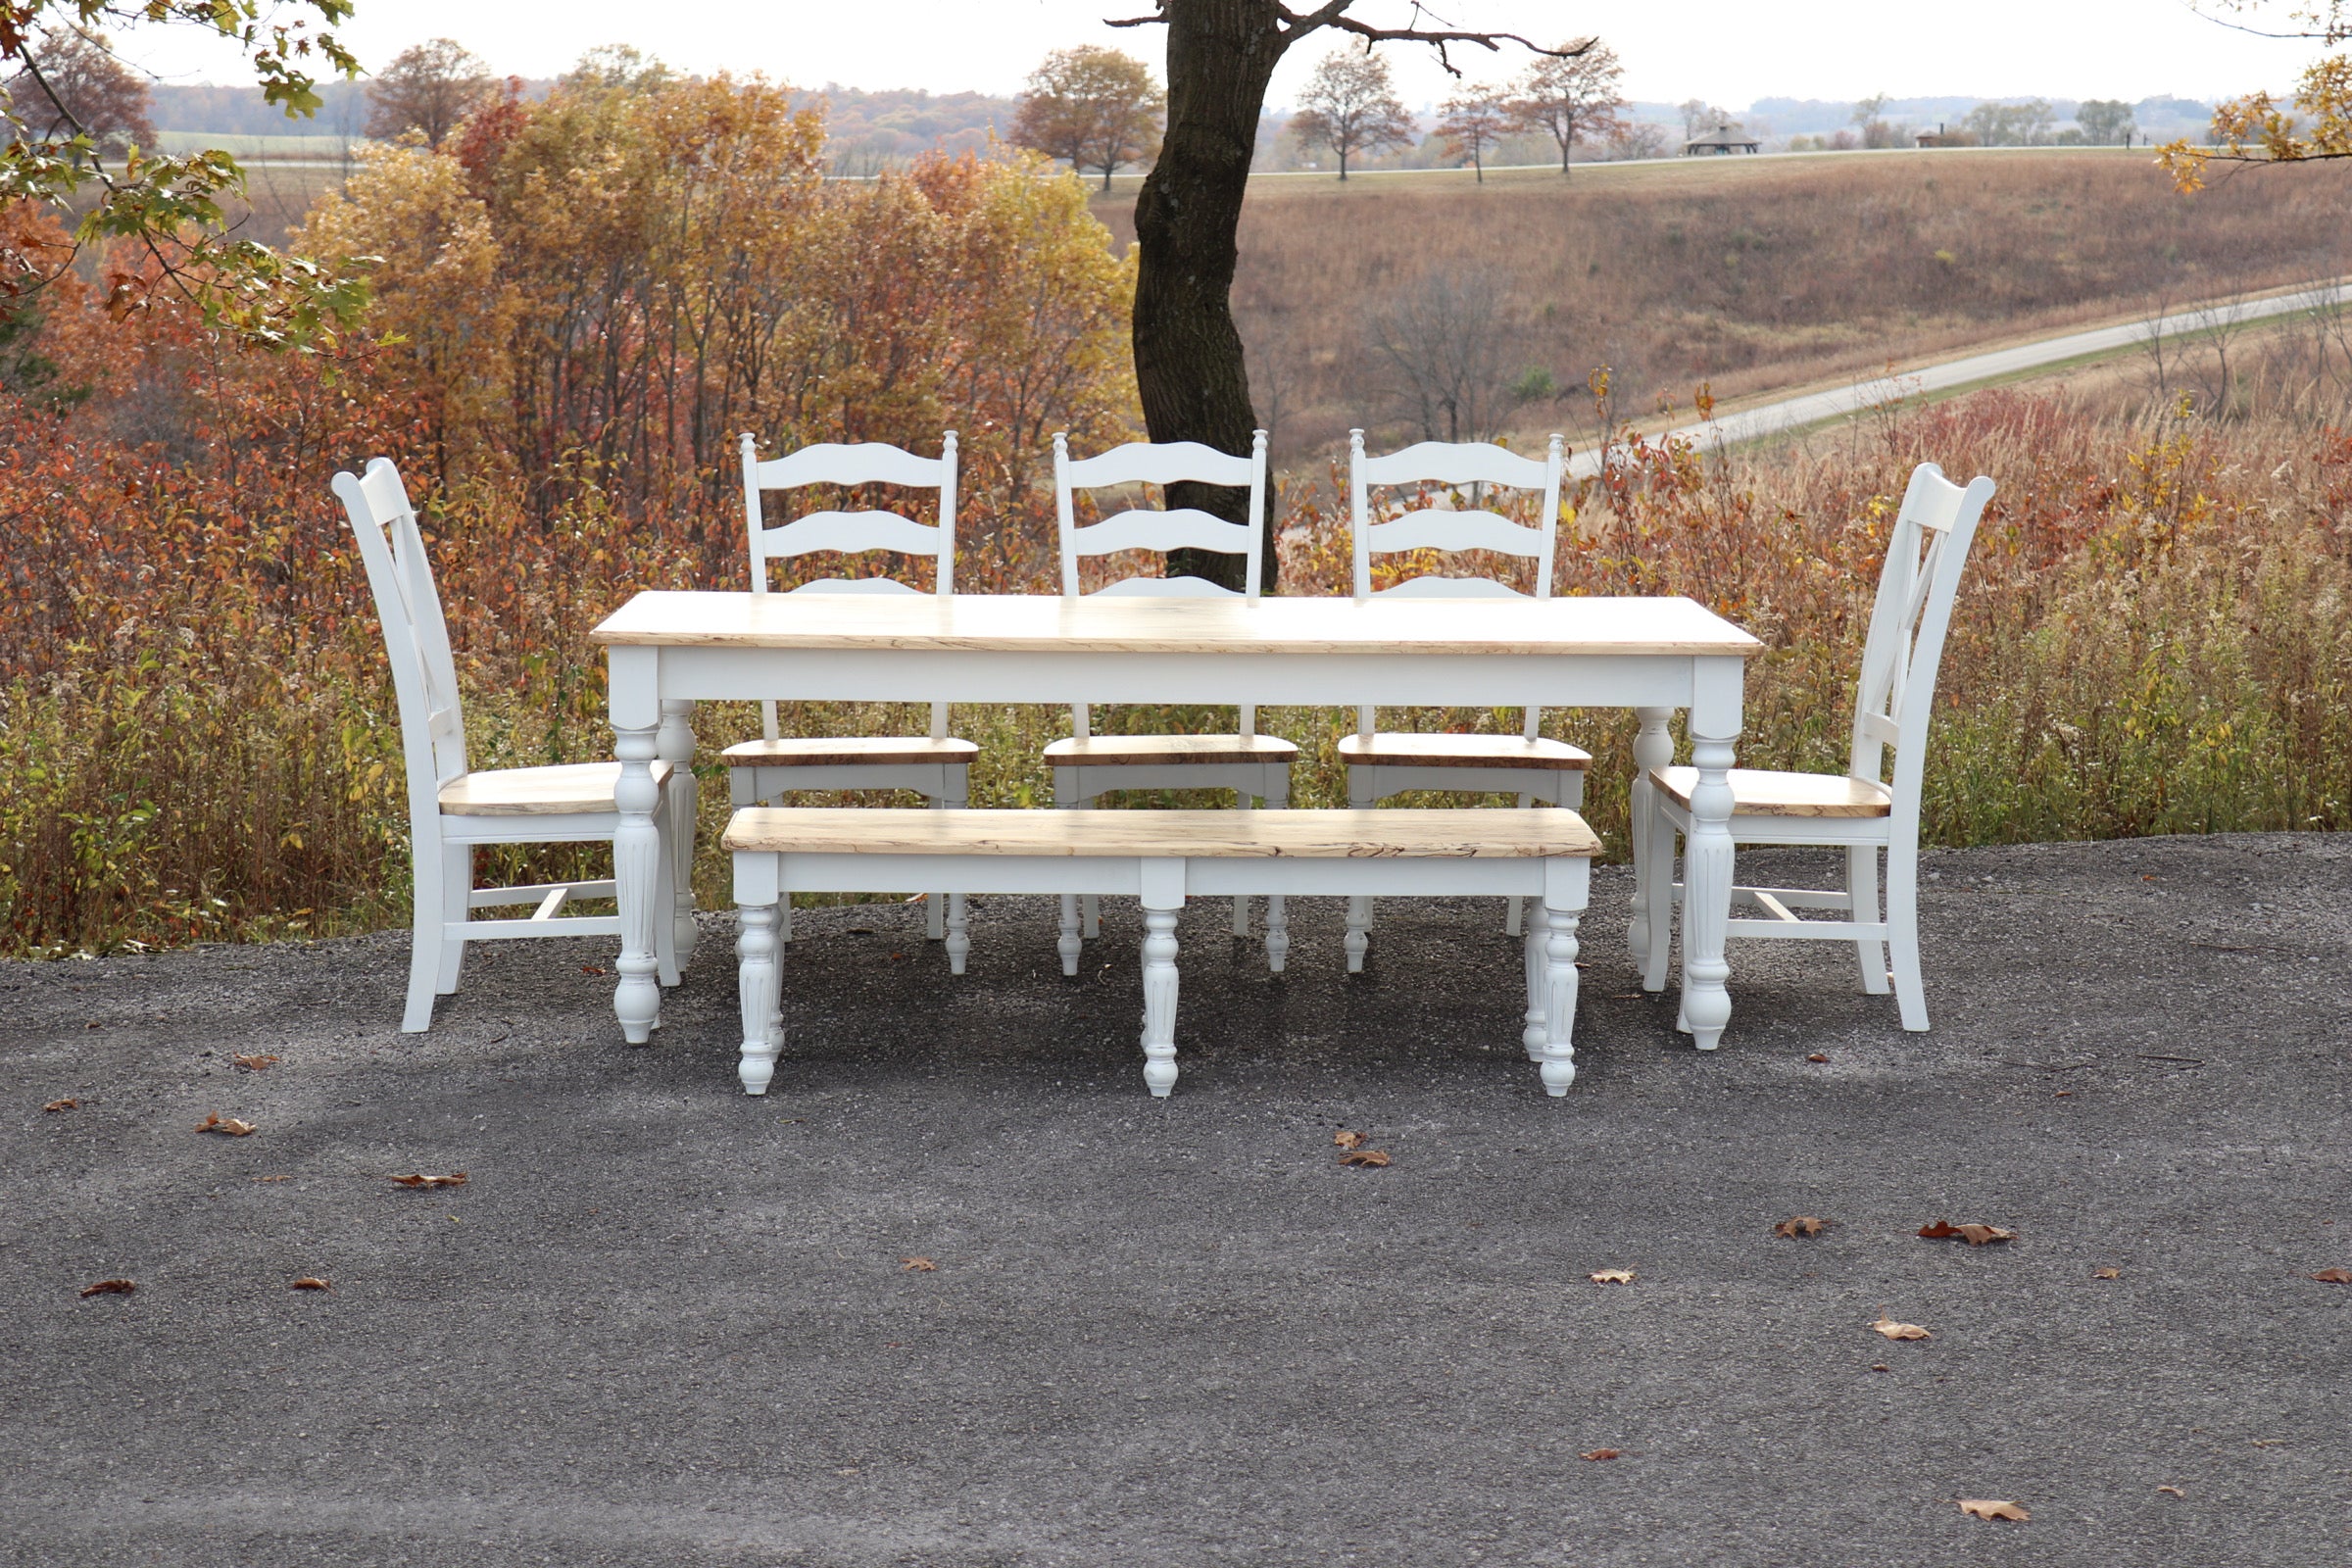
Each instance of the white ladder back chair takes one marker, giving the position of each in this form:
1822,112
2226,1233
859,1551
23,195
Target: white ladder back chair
1868,809
453,808
938,767
1526,766
1254,767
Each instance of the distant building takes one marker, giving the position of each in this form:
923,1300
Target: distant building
1940,137
1716,143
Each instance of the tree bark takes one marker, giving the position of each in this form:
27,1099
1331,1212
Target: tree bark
1189,361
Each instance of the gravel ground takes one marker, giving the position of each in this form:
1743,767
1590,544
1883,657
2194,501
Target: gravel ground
664,1323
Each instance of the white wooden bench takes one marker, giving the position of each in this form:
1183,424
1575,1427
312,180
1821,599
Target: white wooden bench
1163,857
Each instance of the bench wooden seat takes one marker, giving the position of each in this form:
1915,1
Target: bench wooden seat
1757,793
1163,857
854,750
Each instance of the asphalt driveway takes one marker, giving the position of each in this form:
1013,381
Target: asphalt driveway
662,1323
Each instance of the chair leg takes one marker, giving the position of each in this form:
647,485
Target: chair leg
1510,909
425,939
1902,936
1862,898
1243,801
1533,1032
1159,1001
685,794
1559,1000
1362,794
1656,895
457,883
1278,914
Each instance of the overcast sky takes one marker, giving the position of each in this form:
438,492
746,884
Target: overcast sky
1730,52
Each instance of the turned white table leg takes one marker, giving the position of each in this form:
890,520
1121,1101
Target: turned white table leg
674,745
637,849
1160,1000
1559,1000
1535,1032
1707,861
1654,748
758,952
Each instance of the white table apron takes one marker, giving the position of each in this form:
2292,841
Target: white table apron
665,651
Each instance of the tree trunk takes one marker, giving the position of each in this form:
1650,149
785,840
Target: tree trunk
1189,363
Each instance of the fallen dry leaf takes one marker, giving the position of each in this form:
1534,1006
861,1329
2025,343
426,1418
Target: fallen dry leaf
1601,1454
1879,1366
1973,1235
1818,1057
1348,1140
273,1178
255,1063
1899,1331
1801,1225
1992,1508
111,1287
1375,1157
592,968
310,1282
60,1104
2334,1276
1613,1276
455,1178
2106,1273
227,1126
2173,1491
917,1265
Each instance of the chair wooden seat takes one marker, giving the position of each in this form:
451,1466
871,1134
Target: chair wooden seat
1143,751
1350,834
1756,793
850,751
561,791
1408,750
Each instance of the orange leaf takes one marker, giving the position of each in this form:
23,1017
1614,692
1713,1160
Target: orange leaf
1899,1331
1613,1276
1348,1140
2106,1273
111,1287
1992,1508
1801,1225
591,968
311,1283
1366,1156
60,1104
1601,1454
1817,1057
2334,1276
917,1265
1973,1235
455,1178
254,1064
2174,1491
227,1126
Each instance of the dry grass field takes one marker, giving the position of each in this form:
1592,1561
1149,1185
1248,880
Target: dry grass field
1749,276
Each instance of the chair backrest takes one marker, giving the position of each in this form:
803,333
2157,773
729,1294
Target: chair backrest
850,532
1183,528
1453,463
1925,557
424,677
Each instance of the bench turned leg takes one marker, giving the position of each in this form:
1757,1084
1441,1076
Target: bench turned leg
1068,945
1359,933
960,933
1559,998
1278,914
1160,1000
760,989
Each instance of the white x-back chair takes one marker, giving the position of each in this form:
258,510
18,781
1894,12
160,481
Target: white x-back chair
1256,768
936,766
1525,765
452,807
1863,810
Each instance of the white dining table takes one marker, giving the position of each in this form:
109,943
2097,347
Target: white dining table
668,651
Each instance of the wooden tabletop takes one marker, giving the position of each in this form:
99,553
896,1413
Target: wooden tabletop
1329,835
1050,624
